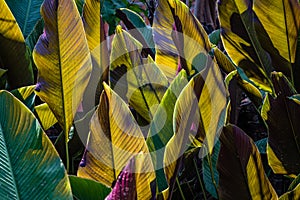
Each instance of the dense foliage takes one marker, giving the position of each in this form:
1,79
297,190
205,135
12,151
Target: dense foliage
120,99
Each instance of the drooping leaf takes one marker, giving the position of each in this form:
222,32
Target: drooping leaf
85,189
277,24
137,80
241,41
26,95
241,173
138,29
27,13
161,127
114,138
30,166
14,56
61,78
198,117
45,116
136,181
282,116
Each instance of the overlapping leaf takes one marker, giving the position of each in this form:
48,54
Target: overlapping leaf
293,191
45,116
241,41
114,138
26,95
161,127
198,117
14,55
282,116
30,166
277,26
63,60
27,13
239,166
137,80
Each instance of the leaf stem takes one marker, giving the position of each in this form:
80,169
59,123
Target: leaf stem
199,178
180,190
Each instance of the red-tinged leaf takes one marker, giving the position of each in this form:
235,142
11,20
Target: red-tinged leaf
241,173
282,115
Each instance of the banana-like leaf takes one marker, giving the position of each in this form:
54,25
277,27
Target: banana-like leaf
34,35
161,127
3,78
80,4
138,29
85,189
137,80
189,36
61,78
30,166
293,191
27,13
215,37
282,116
241,172
241,41
14,55
277,26
45,116
26,95
136,181
114,138
198,117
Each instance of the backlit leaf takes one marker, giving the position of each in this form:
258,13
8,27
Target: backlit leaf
45,116
14,55
240,166
26,95
30,166
62,78
282,116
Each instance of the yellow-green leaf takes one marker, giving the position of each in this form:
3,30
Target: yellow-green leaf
136,79
14,55
113,139
45,116
63,60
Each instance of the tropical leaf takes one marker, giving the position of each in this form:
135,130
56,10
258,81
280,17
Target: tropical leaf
262,145
80,4
293,191
241,41
14,55
114,138
161,127
30,166
136,181
215,37
34,35
282,117
26,95
239,166
61,78
3,78
198,117
45,116
85,189
138,29
27,13
137,80
277,24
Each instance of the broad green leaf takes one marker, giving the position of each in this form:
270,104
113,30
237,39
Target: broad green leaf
198,117
27,13
45,116
282,116
30,166
262,145
161,127
85,189
138,29
80,4
34,35
14,56
215,37
26,95
136,181
241,172
62,79
293,191
137,80
241,41
277,24
113,139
